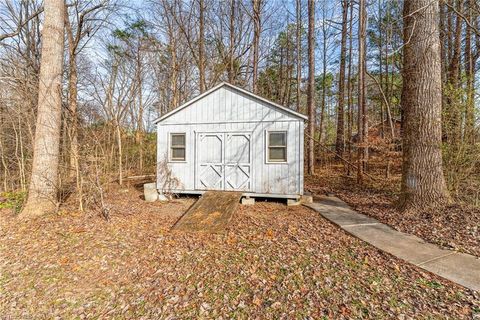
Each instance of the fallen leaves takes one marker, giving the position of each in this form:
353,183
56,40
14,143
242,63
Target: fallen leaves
272,262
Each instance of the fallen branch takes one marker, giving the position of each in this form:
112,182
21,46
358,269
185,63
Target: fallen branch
139,177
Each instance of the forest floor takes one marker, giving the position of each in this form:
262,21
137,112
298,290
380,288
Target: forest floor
455,227
273,262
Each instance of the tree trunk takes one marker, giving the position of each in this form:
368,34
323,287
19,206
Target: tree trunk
361,90
340,141
298,39
231,67
42,195
350,89
118,133
256,42
321,127
470,79
454,103
201,47
311,86
423,183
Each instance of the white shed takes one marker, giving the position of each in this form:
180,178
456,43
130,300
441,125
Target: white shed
230,139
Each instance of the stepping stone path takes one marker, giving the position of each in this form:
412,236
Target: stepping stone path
460,268
211,213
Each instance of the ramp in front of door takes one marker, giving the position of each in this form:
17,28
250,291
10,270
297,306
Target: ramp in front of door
211,213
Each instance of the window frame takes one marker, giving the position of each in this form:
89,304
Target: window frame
171,147
268,147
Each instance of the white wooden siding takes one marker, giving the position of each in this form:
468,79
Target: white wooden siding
227,110
228,105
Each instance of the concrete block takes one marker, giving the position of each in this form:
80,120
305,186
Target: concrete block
247,201
306,199
162,197
293,202
150,192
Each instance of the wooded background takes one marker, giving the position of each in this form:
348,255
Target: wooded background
384,82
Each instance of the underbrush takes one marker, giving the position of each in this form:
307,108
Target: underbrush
12,200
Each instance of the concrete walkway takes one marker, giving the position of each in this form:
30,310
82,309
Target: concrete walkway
458,267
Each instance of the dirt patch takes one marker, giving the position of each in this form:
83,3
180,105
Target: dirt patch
273,262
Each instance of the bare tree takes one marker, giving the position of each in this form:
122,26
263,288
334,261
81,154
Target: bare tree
362,30
257,29
298,39
311,87
42,195
340,141
201,45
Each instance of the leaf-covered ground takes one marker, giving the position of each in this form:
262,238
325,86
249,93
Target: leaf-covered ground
454,227
273,262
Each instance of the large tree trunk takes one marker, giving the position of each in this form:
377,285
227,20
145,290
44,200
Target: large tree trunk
42,195
340,141
311,86
423,183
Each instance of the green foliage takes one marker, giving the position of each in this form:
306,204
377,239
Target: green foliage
12,200
278,77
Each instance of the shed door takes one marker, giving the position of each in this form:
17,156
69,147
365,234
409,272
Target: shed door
223,161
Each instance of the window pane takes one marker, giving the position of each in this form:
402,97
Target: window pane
178,140
178,153
278,139
277,154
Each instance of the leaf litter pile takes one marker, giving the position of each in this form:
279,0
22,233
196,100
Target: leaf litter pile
272,262
455,227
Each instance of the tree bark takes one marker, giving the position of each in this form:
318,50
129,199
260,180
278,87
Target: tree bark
350,89
470,62
72,98
231,67
201,47
311,86
361,90
42,195
298,39
340,141
256,42
423,183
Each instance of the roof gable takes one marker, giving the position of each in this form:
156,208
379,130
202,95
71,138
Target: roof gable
239,91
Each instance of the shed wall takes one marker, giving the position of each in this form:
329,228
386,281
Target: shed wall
226,110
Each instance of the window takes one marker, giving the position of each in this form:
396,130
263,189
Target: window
277,146
177,146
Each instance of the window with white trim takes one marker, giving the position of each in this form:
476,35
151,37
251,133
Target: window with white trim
177,147
277,146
